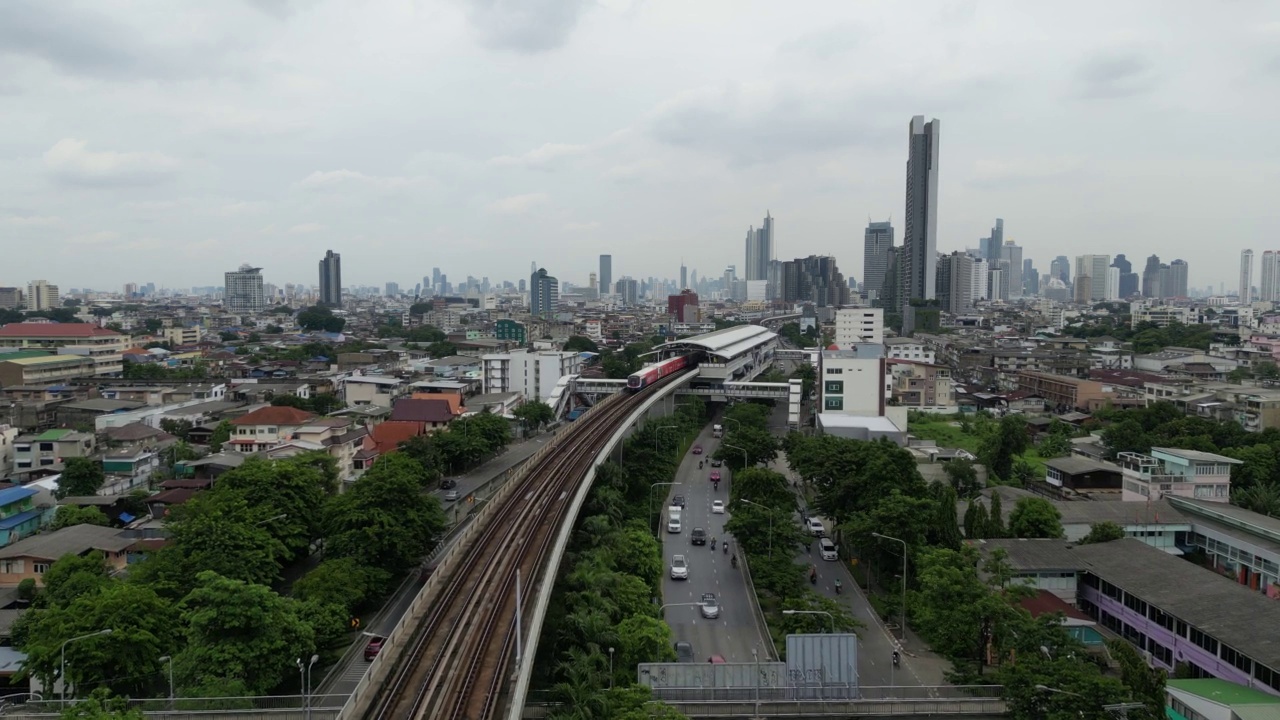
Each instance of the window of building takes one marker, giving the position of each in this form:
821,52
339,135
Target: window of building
1204,641
41,568
833,403
834,386
46,447
835,371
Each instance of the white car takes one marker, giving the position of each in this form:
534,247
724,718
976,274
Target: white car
814,526
718,507
679,568
828,549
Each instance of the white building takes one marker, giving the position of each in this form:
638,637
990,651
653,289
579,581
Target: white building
981,273
1095,267
42,296
909,349
859,325
532,374
1160,315
854,388
243,292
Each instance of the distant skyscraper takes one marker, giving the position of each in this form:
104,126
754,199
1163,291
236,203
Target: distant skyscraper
1176,285
435,277
920,239
993,246
1246,275
1128,286
959,293
628,291
242,290
1269,283
1151,278
392,289
876,242
1012,254
606,274
1092,269
814,279
43,296
544,293
331,279
684,276
1030,278
759,250
1061,269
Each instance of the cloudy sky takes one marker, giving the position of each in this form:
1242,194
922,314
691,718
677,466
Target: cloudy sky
166,141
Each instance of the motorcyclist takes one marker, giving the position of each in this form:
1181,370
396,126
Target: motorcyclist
734,561
837,586
726,547
713,544
699,464
896,658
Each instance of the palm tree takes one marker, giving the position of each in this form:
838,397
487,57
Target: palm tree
1262,498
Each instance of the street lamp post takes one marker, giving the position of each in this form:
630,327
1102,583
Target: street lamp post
1121,709
610,668
63,671
305,672
814,612
651,487
744,454
904,579
770,521
755,657
169,659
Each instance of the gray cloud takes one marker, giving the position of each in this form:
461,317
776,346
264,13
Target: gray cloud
1115,75
527,26
72,162
827,43
73,40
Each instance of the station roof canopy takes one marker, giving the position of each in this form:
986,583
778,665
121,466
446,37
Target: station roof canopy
730,342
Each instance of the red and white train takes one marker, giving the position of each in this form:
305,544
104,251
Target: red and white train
647,376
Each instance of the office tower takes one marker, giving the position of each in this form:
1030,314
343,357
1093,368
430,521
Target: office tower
1084,287
759,250
814,279
436,277
891,290
242,291
1176,286
992,246
957,295
544,294
978,289
1011,253
1269,283
920,239
606,274
1095,267
392,289
1246,276
1113,283
1128,286
684,276
10,298
331,279
876,241
42,296
1151,278
1030,278
1061,269
628,290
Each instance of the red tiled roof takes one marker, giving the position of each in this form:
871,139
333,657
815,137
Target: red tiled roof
422,410
387,436
54,330
275,415
1045,602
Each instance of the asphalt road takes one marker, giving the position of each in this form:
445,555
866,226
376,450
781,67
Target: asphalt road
735,632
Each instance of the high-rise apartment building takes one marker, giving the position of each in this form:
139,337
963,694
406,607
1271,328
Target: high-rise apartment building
759,250
814,279
628,291
992,246
958,297
979,286
1095,268
920,239
544,293
1176,283
1061,268
1012,254
684,307
1128,286
391,289
876,242
859,325
242,290
1269,283
606,274
1246,277
10,298
1113,283
331,279
1030,278
42,296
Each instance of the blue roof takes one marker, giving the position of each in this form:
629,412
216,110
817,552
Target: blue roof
12,495
14,521
126,517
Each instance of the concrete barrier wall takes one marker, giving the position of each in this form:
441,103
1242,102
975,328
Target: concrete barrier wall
400,639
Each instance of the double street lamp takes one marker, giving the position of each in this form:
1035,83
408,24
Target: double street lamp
305,672
63,671
904,579
814,612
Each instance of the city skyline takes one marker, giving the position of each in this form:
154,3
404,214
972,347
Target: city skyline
167,161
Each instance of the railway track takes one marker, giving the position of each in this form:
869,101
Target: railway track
455,666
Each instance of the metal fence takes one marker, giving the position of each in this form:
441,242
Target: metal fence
844,708
268,705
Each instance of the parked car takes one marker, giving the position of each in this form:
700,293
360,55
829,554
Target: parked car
710,606
678,500
716,462
699,536
717,507
697,449
373,648
684,652
451,495
828,549
679,568
715,476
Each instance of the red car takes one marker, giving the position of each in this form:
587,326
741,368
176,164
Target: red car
371,650
715,476
697,449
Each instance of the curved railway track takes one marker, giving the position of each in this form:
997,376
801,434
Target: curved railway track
455,665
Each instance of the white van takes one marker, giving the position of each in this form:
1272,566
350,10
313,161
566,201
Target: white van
717,431
673,519
828,549
814,526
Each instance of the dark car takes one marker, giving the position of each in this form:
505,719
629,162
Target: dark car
716,462
448,484
372,649
699,536
678,500
684,652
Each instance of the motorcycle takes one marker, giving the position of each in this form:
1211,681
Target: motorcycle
713,544
699,464
716,485
726,547
896,659
734,562
837,586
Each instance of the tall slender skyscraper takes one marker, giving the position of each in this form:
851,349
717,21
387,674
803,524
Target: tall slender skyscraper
684,276
1061,269
1091,270
1176,286
920,240
759,250
606,274
1246,277
876,242
331,279
1269,283
993,246
1012,254
544,293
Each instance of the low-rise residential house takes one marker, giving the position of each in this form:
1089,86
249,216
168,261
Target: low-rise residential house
32,556
332,436
373,390
922,386
8,438
87,412
51,448
1065,392
19,515
1173,471
1078,475
267,427
908,349
431,414
129,468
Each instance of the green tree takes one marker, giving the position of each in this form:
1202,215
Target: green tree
240,631
1125,436
1262,499
1104,531
68,515
765,487
81,476
995,527
579,343
101,705
947,525
1053,446
221,434
760,446
1146,684
70,577
288,494
341,581
383,520
1008,440
1035,518
318,317
535,414
963,476
176,427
